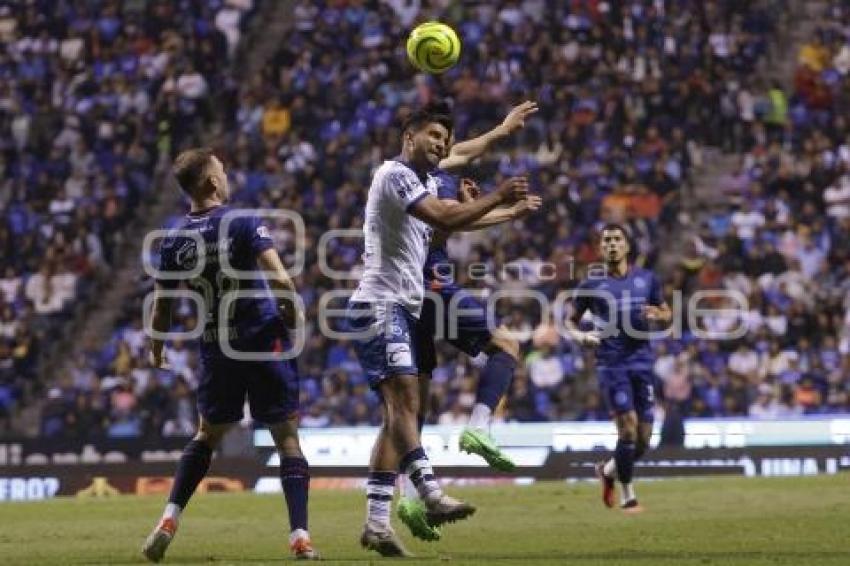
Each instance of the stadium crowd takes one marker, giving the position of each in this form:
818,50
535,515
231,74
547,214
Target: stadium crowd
94,96
629,92
779,236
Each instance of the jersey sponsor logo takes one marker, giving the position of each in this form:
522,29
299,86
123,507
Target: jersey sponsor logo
398,355
263,232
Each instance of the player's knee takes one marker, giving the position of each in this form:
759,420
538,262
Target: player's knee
289,447
627,429
502,340
285,435
406,398
407,407
211,434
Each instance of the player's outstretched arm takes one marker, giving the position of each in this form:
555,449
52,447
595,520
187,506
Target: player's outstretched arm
450,217
279,280
504,214
161,323
465,152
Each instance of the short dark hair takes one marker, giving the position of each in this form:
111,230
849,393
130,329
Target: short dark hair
616,226
438,111
189,167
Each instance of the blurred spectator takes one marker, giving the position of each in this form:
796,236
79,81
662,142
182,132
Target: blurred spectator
628,96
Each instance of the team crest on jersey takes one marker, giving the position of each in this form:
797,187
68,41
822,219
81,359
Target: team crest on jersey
263,232
186,255
640,283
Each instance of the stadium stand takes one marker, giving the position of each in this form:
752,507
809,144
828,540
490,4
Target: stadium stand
94,97
630,95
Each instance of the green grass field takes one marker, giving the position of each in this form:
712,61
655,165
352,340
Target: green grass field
800,521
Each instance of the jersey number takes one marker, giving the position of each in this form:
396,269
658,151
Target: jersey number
212,295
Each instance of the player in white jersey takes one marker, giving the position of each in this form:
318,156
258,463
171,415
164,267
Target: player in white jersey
383,313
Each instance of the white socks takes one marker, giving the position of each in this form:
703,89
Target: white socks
422,475
298,534
172,511
628,492
480,417
407,488
610,468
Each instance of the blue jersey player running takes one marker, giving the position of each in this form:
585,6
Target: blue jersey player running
383,314
230,243
624,358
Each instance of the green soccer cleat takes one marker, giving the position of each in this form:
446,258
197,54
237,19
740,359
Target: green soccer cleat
474,441
412,513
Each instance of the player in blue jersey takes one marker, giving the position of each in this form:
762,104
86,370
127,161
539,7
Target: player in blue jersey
236,253
624,358
474,334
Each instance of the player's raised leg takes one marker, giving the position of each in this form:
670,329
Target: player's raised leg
193,466
496,377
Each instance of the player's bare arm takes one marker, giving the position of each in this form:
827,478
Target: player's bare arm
469,190
161,323
449,217
279,280
465,152
505,214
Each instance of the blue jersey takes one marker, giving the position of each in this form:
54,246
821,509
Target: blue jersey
630,294
245,239
438,264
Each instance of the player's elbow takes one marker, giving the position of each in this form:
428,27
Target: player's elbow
442,218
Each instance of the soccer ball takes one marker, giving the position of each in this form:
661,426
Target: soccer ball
433,47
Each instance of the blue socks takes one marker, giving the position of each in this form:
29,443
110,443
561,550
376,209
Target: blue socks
193,466
495,379
295,477
624,456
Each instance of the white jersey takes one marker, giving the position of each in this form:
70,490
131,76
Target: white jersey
396,243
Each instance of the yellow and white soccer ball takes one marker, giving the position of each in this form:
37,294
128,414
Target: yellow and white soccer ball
433,47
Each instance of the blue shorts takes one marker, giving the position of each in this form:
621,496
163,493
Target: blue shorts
270,386
626,390
388,347
473,332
